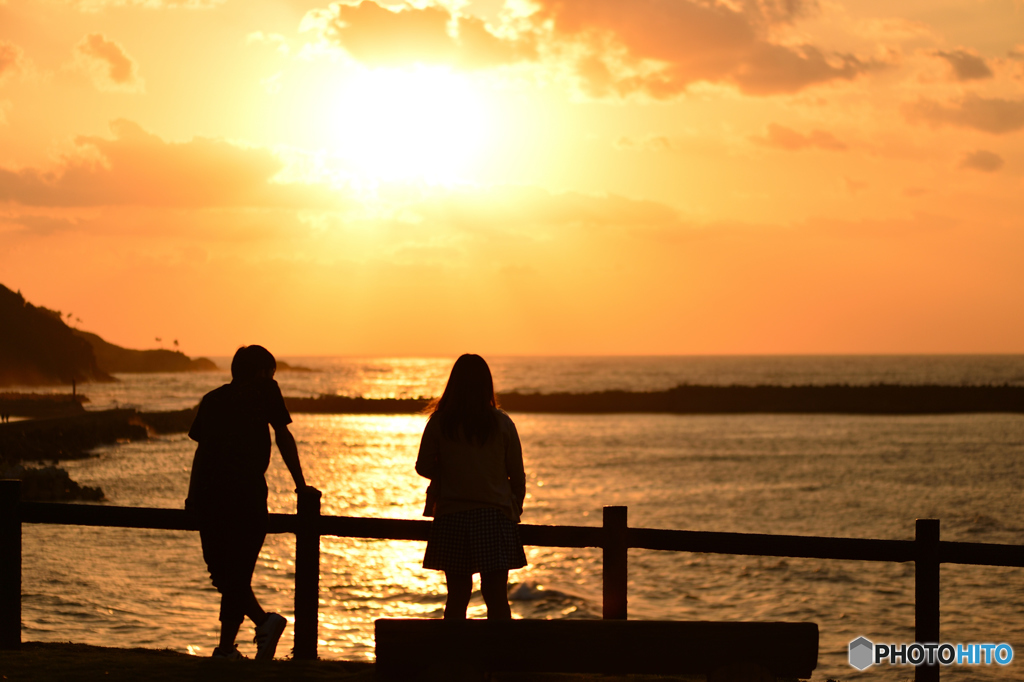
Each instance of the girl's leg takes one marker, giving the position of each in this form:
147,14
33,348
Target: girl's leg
495,590
460,587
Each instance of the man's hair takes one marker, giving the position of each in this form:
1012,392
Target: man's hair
250,361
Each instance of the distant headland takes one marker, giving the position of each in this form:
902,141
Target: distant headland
37,348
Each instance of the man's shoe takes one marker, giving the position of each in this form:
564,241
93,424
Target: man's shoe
267,636
232,654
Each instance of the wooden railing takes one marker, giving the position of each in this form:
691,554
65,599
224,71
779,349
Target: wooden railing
614,536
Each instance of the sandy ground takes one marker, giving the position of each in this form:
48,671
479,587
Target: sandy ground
42,662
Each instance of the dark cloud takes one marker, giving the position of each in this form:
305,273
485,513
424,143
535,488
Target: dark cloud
996,116
10,58
982,160
111,57
380,36
966,66
786,138
779,11
692,41
772,69
614,48
43,225
138,168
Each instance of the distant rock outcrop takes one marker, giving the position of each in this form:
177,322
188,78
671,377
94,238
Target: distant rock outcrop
283,366
50,484
116,360
37,348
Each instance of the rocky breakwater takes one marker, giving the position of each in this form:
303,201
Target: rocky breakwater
30,450
691,399
39,405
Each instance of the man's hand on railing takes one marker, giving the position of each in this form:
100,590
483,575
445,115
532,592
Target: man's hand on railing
308,490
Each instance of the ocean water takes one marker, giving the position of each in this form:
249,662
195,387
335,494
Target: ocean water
831,475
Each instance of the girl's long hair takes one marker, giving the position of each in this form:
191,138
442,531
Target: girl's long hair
466,409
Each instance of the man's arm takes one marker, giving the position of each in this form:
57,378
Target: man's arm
290,454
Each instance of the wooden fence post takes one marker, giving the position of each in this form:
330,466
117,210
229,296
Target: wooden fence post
307,575
926,593
10,565
616,553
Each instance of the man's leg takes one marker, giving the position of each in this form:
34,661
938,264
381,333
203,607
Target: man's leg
253,609
232,613
228,633
460,588
231,550
494,586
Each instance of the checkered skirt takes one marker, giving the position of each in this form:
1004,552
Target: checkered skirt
474,541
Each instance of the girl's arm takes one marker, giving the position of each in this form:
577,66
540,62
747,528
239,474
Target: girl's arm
430,449
514,466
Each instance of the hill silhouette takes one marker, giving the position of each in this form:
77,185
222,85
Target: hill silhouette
115,359
37,348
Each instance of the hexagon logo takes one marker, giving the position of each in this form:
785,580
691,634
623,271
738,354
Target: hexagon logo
862,653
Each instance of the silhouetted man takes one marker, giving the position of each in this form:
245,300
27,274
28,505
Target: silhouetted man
228,490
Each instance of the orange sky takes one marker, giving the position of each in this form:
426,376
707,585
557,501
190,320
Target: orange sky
519,177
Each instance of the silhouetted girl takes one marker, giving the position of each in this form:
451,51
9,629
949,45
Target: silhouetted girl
471,452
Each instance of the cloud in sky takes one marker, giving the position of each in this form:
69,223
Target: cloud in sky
782,137
513,207
612,48
110,66
966,65
101,5
275,40
656,143
10,59
382,36
138,168
982,160
991,115
661,47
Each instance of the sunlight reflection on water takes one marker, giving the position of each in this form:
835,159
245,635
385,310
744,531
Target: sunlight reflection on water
795,474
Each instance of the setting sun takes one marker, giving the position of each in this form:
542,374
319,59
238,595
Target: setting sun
399,124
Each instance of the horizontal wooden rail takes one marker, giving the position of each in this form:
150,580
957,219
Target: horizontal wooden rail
771,545
343,526
615,537
750,544
103,515
981,554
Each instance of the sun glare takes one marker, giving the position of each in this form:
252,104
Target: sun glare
394,124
